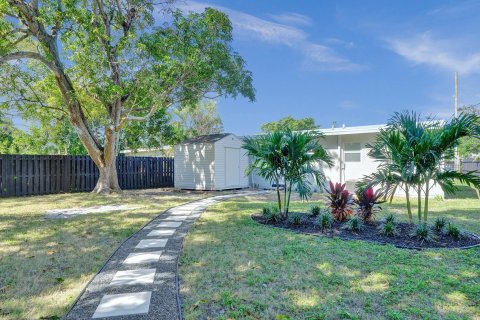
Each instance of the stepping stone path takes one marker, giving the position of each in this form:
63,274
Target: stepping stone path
139,281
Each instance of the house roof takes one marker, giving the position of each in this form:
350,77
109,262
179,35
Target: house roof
209,138
352,130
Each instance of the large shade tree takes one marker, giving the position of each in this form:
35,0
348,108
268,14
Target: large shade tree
112,62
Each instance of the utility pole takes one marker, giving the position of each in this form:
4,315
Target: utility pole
457,164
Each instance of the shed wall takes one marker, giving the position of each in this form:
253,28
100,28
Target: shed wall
195,166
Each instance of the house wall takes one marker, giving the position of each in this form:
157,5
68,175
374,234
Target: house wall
195,166
346,171
229,142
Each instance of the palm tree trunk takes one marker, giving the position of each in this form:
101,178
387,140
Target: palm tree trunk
279,200
409,205
425,210
419,202
289,194
285,208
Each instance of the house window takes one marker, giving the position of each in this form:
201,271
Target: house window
352,152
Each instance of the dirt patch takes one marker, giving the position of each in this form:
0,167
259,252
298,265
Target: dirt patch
370,232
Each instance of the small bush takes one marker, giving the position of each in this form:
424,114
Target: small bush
390,218
315,210
339,200
354,224
271,214
367,201
389,229
439,224
422,232
324,221
453,231
295,219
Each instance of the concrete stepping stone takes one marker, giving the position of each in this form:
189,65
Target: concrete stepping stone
142,257
169,224
161,232
151,243
133,277
113,305
175,218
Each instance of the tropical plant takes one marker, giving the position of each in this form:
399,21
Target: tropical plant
439,224
290,158
339,200
390,218
113,62
388,228
324,221
367,201
422,232
453,231
271,214
315,210
411,153
355,223
290,123
296,219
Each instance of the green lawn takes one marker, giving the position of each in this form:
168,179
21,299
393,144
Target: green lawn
44,264
233,268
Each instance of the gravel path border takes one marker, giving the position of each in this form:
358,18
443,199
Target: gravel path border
164,302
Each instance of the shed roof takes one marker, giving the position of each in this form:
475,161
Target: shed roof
209,138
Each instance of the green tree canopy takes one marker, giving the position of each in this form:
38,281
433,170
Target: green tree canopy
290,123
103,64
469,146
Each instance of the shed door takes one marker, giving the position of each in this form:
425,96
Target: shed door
232,167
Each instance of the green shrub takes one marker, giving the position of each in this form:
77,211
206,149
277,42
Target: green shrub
296,219
422,232
315,210
270,213
439,224
354,224
324,221
453,231
388,228
390,218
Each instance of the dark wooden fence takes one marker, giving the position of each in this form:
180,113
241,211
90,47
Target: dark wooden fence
22,175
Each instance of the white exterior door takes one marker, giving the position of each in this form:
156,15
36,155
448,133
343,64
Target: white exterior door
232,167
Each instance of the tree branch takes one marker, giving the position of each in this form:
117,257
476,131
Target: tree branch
28,55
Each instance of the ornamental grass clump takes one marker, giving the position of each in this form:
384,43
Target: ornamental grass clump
453,231
388,229
339,199
324,221
422,232
296,219
315,210
271,213
367,201
354,224
439,224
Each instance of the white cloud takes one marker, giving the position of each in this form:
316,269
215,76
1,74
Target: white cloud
446,54
251,27
292,18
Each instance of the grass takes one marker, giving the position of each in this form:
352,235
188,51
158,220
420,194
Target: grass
233,268
44,264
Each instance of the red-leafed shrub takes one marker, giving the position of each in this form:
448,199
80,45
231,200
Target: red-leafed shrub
367,201
340,201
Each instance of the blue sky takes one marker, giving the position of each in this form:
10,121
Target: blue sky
353,62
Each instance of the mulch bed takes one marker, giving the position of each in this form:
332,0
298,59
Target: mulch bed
405,237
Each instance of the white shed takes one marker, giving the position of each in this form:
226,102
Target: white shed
211,162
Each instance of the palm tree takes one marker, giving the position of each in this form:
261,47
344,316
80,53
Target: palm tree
288,157
412,152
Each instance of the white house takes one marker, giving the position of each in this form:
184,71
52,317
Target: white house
211,162
347,146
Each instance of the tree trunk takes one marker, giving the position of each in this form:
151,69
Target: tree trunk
279,200
108,179
409,205
419,203
425,210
